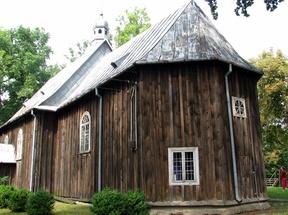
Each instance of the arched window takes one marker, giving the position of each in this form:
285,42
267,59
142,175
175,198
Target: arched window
6,140
19,144
85,128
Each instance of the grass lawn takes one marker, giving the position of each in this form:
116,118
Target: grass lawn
277,193
277,208
60,209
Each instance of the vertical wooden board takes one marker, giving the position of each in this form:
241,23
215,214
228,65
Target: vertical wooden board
125,145
141,126
178,190
166,131
161,144
189,194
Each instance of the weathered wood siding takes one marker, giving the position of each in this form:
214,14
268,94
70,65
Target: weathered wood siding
181,105
121,165
74,175
248,136
46,126
21,178
178,105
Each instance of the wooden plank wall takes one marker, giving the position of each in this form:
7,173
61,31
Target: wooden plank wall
181,106
248,136
74,175
178,105
22,174
121,165
46,126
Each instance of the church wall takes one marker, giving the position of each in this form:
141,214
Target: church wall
248,136
20,175
183,105
74,174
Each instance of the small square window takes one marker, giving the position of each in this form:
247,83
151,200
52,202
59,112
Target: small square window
239,107
183,166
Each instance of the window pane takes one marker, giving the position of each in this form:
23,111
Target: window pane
82,138
189,166
177,166
85,119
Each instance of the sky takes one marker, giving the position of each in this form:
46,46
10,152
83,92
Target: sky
72,21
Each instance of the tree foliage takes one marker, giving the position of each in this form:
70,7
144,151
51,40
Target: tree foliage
131,24
273,102
23,66
242,6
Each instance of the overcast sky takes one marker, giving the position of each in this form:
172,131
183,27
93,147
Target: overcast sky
71,21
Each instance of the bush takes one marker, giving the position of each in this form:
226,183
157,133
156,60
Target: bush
40,203
4,180
5,194
136,204
108,202
113,202
18,200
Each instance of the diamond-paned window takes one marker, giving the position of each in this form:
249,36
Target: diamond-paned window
239,107
183,166
85,131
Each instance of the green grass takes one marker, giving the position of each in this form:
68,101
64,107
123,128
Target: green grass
278,208
277,193
60,209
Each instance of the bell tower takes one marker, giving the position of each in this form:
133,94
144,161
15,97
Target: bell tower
101,28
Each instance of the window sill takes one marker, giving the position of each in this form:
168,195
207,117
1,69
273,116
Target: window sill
84,153
188,183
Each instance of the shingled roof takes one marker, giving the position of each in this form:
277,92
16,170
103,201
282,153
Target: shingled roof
185,35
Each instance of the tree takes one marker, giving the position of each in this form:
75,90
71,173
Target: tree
273,102
77,52
242,6
131,24
23,67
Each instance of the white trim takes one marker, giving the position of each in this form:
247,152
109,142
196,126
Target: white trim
183,150
242,100
19,147
86,113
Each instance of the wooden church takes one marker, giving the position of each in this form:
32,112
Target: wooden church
173,112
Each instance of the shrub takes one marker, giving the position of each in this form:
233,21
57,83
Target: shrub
137,204
4,180
5,194
40,203
108,202
113,202
18,200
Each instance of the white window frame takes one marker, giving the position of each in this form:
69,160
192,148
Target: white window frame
6,139
182,150
19,149
242,100
89,132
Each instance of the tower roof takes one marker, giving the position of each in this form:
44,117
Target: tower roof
101,22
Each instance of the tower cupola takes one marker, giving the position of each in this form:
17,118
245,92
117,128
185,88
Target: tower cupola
101,28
